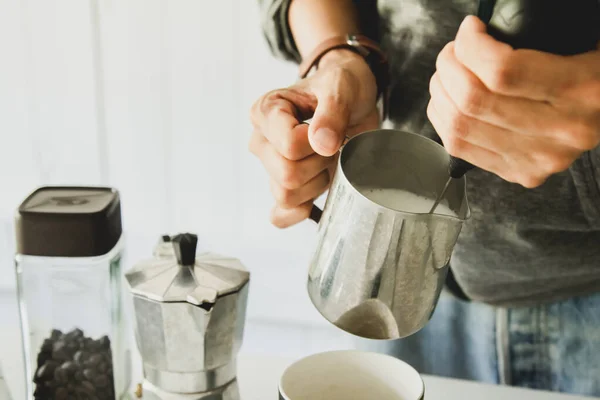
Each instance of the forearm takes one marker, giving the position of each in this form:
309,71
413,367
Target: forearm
313,21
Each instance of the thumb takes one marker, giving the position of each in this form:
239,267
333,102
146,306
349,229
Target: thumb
328,126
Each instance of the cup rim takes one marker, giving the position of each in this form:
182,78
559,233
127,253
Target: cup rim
284,396
405,214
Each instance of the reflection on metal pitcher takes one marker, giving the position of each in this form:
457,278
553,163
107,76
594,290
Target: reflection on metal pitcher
378,270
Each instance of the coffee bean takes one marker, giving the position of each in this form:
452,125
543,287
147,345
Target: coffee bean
46,371
42,358
55,334
61,394
61,376
74,367
101,381
96,359
70,367
72,347
78,376
102,367
80,356
93,346
104,342
60,352
87,387
47,346
75,333
89,374
41,392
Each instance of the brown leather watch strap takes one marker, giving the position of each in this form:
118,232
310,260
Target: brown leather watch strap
362,45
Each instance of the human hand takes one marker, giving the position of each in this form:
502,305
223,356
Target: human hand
521,114
300,159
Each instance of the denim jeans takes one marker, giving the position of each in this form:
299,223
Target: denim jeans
551,347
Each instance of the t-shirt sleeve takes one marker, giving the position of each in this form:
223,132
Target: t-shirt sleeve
276,29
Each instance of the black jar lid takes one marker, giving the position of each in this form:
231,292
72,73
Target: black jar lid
62,221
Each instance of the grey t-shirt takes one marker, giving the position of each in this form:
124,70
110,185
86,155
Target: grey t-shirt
521,246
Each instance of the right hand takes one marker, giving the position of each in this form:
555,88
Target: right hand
300,159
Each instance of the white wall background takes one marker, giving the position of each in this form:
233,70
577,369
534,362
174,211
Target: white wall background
152,97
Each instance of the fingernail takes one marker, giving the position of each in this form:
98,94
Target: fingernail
327,139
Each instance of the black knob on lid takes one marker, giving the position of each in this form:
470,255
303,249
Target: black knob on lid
165,238
185,248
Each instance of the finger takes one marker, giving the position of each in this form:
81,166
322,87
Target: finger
457,147
522,73
335,95
473,99
292,174
528,160
329,124
284,218
256,142
509,144
287,198
278,114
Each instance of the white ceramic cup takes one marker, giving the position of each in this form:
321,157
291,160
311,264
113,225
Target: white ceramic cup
351,375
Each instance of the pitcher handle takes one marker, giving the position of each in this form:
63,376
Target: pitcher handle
315,214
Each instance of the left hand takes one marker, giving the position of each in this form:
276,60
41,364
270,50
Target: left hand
521,114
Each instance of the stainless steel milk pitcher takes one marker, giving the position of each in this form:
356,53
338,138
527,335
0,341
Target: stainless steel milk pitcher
377,272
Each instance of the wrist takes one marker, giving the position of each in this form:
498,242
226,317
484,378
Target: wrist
340,56
356,52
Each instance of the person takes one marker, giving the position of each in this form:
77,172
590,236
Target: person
522,306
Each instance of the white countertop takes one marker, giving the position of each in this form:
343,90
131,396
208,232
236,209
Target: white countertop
258,373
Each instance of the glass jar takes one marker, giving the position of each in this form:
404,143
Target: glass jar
4,394
69,280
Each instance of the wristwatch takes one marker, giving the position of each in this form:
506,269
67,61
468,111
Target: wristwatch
361,45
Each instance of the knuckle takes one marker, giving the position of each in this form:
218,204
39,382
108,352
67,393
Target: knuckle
503,76
277,221
582,135
333,101
291,146
259,106
430,110
471,100
283,197
552,163
253,143
595,92
459,124
530,181
454,145
254,111
290,177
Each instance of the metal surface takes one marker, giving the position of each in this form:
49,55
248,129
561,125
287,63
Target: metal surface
162,279
230,391
440,196
164,248
377,272
189,321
